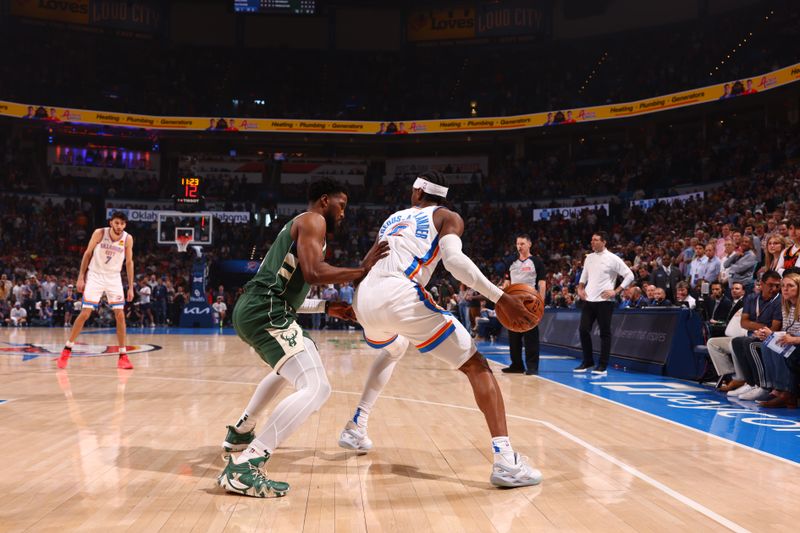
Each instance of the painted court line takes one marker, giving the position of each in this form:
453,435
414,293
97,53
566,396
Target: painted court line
663,419
698,507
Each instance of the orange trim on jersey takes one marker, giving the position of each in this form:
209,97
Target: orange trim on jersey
426,263
436,335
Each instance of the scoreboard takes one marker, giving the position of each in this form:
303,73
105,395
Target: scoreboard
189,194
276,7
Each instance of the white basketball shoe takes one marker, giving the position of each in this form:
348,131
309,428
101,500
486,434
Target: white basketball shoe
354,438
519,474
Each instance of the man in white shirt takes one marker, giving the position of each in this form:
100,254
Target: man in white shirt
19,316
220,308
597,288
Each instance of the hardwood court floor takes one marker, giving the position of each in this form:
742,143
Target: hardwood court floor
94,449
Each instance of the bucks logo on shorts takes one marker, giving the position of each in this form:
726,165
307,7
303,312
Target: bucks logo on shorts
290,338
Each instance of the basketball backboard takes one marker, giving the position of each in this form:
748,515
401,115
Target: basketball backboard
173,224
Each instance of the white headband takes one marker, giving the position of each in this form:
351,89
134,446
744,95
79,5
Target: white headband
430,188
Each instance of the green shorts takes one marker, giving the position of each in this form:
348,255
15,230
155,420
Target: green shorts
265,323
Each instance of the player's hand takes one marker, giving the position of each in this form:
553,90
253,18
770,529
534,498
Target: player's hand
581,293
608,294
516,310
130,294
378,251
80,285
342,311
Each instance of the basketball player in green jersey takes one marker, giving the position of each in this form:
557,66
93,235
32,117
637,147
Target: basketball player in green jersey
265,318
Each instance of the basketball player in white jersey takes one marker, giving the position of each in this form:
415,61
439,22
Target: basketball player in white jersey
418,238
108,249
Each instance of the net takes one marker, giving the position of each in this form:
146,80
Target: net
183,242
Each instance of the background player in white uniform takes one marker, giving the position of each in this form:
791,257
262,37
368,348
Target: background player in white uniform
394,308
103,259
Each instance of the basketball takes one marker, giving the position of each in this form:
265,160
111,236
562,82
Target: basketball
532,300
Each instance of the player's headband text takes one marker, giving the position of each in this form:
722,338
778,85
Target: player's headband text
430,188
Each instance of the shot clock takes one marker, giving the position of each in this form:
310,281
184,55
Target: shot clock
189,196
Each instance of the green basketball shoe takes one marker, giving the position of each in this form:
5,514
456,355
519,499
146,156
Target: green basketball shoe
236,442
249,480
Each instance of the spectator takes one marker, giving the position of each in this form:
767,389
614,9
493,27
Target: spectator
18,316
741,265
780,368
666,276
773,254
159,302
220,309
761,316
145,308
660,298
682,296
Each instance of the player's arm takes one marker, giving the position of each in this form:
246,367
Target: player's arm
129,265
97,236
451,226
310,236
335,309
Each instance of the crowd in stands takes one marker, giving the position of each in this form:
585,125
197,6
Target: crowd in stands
117,74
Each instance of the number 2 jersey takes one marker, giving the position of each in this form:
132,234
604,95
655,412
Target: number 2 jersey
413,243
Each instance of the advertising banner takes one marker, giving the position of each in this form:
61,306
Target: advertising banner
565,212
648,203
453,23
143,16
70,11
150,215
558,118
513,18
639,335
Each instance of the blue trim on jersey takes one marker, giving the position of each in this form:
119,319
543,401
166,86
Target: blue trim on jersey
449,331
428,255
424,299
411,268
417,260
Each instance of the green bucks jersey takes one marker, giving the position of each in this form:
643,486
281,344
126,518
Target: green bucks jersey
279,274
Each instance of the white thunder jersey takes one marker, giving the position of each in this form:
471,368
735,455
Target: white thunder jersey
108,256
413,244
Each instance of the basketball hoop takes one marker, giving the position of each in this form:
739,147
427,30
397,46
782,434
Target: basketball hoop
182,241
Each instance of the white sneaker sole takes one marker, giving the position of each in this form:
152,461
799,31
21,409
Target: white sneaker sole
510,482
348,442
223,482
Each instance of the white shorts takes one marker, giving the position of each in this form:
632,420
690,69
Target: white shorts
96,285
391,306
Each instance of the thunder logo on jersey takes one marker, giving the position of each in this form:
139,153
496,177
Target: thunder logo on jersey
398,223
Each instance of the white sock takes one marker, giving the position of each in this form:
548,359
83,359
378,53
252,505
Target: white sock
245,424
501,446
69,344
123,350
361,417
256,449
